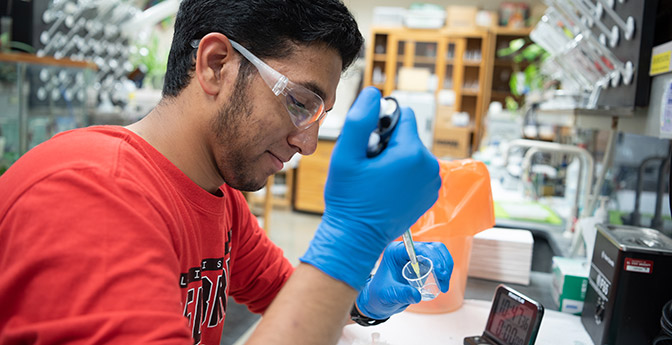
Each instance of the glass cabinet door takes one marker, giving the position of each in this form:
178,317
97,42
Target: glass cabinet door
421,53
39,98
9,114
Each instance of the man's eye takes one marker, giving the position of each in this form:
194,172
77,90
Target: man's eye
296,102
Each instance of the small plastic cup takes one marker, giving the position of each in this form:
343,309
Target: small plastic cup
426,282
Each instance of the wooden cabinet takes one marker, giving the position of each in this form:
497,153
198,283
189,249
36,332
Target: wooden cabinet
391,49
311,175
462,60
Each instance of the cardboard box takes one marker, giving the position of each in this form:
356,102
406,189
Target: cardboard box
452,142
461,16
444,114
413,79
425,18
387,16
488,19
570,282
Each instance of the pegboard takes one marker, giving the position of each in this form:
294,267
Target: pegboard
603,47
79,30
637,51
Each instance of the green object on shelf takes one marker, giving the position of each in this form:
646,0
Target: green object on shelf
5,32
526,76
615,217
528,211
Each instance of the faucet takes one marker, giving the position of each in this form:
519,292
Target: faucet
585,163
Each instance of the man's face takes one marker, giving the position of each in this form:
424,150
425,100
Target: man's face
253,135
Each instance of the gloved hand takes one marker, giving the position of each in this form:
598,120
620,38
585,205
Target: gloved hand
388,293
371,201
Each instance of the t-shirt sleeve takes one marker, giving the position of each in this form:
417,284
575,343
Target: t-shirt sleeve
88,261
258,267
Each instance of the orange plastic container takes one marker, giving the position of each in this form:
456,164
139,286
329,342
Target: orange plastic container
463,209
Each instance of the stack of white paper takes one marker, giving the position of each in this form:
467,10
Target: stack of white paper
502,255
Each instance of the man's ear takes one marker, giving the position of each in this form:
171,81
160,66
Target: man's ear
213,55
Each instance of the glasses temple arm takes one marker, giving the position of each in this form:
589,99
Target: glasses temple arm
275,80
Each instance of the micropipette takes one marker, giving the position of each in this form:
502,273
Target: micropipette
410,249
387,122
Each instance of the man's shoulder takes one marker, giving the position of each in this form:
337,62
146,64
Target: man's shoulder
97,146
93,142
96,149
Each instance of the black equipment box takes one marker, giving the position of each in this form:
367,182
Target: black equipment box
630,280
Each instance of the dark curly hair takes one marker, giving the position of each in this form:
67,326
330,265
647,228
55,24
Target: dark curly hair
266,27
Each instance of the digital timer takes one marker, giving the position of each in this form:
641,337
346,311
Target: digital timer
514,320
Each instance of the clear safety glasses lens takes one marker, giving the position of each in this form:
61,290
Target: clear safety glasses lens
304,106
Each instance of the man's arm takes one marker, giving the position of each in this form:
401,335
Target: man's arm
369,202
312,308
258,267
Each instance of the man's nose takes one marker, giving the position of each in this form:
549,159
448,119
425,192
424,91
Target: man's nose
305,140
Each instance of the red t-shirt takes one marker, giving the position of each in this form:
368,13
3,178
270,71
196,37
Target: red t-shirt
103,240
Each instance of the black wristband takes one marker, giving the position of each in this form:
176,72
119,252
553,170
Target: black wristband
363,320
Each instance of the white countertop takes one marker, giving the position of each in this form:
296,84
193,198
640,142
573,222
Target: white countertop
451,328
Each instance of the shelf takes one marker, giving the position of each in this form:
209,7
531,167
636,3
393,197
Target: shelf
590,118
610,112
46,60
450,61
639,121
504,31
470,92
509,63
472,63
465,32
379,57
501,94
425,59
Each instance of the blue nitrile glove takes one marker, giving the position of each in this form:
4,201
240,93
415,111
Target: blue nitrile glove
388,293
371,201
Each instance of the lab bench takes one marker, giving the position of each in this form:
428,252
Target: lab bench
451,328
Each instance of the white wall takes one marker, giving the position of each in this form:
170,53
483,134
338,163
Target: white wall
363,9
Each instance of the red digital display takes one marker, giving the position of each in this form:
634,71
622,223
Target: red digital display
512,319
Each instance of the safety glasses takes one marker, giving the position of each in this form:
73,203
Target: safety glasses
305,107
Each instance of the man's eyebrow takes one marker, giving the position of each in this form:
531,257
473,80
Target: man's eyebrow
315,88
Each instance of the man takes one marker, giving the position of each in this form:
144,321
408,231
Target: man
138,234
